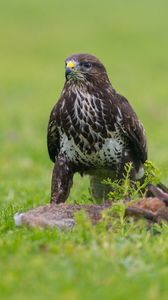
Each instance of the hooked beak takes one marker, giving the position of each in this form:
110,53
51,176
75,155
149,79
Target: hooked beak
70,67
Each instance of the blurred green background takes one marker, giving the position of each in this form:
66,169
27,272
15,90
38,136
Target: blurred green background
131,39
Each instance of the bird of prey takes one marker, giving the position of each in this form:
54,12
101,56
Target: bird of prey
92,130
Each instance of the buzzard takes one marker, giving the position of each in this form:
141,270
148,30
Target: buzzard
92,130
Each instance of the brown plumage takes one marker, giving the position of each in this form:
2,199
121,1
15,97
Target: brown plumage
92,130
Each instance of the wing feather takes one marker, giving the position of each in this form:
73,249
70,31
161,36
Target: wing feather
53,137
132,128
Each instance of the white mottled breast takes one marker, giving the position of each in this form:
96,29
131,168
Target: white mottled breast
109,153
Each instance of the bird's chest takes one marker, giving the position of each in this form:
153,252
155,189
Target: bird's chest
88,135
107,154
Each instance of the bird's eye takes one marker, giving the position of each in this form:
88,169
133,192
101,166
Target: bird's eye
86,65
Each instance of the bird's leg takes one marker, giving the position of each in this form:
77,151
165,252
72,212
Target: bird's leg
62,179
98,190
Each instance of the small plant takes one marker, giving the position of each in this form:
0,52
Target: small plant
126,188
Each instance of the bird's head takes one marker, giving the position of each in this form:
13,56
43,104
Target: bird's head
84,68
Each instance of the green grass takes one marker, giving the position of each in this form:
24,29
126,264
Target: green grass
36,36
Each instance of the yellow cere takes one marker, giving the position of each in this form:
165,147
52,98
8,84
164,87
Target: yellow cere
70,64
